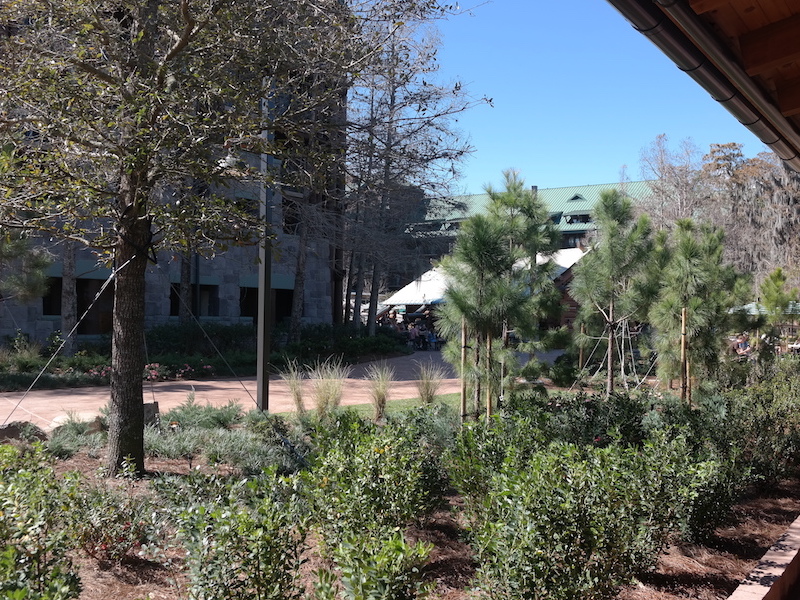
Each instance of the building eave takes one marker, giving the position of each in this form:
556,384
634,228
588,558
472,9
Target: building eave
711,53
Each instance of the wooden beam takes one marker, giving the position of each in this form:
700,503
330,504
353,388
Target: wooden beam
704,6
789,99
771,46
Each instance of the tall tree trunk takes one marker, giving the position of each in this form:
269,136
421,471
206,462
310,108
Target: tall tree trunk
298,298
126,414
69,298
359,291
337,267
610,358
476,386
372,314
489,383
348,305
185,289
463,370
684,358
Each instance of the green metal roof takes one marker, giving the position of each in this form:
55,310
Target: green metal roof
563,201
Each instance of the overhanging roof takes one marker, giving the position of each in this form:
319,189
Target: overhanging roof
745,53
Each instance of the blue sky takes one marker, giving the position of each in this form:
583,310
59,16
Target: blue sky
578,94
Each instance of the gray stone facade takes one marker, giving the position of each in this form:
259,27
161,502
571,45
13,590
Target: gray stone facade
225,285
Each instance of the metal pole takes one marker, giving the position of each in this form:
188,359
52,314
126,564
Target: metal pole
264,314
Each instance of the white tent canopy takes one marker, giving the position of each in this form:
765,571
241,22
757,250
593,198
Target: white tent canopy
430,286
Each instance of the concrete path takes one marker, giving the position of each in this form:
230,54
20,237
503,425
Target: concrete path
48,408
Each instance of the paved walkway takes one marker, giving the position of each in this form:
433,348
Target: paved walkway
47,408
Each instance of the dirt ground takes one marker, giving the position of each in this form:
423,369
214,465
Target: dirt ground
699,572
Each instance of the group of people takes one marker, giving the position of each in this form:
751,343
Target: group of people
742,347
419,331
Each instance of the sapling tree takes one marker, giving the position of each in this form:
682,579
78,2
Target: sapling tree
495,282
693,308
777,298
610,281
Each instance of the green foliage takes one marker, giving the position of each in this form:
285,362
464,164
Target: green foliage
370,482
481,449
775,297
191,432
319,342
191,414
593,419
206,341
72,436
110,523
238,551
23,265
34,546
175,443
564,371
327,385
379,568
695,278
380,375
578,523
496,282
429,379
612,282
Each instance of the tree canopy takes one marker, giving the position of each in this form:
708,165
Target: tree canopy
126,120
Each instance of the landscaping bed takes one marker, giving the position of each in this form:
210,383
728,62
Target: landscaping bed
558,496
700,572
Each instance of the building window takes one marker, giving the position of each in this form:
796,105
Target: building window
248,302
51,301
206,304
98,319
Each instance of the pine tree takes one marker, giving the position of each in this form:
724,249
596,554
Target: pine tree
610,281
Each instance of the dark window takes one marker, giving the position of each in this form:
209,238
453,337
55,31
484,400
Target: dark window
204,305
51,301
248,302
98,319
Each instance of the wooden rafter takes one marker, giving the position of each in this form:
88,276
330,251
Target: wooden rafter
704,6
789,99
771,46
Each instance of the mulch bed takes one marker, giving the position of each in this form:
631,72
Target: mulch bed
700,572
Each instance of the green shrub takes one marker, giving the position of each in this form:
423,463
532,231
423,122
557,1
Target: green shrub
318,342
578,523
111,524
191,414
368,484
34,560
211,339
74,435
180,442
377,568
249,452
433,427
481,449
239,550
595,420
564,371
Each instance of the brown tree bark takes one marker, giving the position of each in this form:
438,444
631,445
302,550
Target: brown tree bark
126,414
69,298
